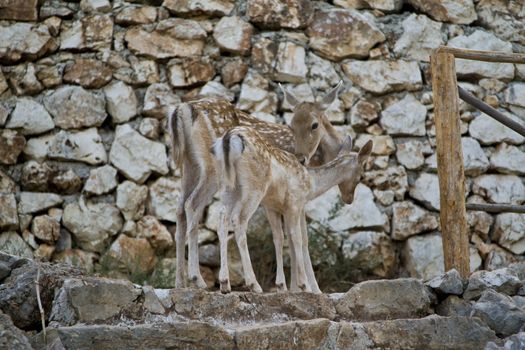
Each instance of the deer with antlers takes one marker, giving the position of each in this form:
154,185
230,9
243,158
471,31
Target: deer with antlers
194,127
257,172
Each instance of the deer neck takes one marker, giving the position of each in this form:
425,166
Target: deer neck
330,142
325,177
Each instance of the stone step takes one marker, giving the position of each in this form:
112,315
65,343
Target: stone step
92,300
433,332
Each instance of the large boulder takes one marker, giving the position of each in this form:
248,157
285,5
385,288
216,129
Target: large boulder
453,11
381,77
92,32
421,36
93,225
173,37
24,41
135,156
30,118
73,107
385,299
343,33
292,14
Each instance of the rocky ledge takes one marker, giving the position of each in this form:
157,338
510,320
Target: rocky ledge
86,312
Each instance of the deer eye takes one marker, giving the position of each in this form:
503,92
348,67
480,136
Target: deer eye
314,126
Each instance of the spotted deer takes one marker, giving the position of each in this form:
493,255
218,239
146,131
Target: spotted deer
256,172
194,126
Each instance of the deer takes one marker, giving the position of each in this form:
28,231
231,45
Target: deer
256,172
193,127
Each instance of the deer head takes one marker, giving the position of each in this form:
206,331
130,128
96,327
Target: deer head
347,188
309,122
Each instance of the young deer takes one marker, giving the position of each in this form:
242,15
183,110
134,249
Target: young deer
256,172
194,126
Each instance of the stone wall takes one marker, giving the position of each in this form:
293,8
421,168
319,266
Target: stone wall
85,86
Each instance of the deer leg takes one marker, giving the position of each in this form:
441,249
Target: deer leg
310,275
194,207
293,228
274,218
246,209
224,273
180,242
293,266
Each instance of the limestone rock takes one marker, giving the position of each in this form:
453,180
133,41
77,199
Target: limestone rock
216,89
164,198
136,156
283,62
385,299
131,200
488,131
92,299
233,71
24,41
454,306
84,146
92,226
271,15
132,15
101,180
408,219
360,246
150,128
380,77
383,144
8,213
503,19
343,33
421,36
233,35
24,10
78,258
509,232
362,114
426,190
500,188
50,76
172,38
190,71
93,6
254,96
321,73
362,213
132,256
66,182
23,79
72,107
481,40
199,7
93,32
460,12
121,102
449,283
12,337
514,95
158,100
34,202
406,117
391,179
499,312
45,228
89,73
423,256
12,243
410,154
30,118
501,280
11,145
156,233
385,5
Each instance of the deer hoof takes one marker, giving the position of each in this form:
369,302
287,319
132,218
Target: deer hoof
255,287
225,286
198,282
281,287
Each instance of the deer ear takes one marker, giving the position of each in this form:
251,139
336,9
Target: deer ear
289,97
330,97
346,146
365,151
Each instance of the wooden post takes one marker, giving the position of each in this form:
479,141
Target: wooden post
453,215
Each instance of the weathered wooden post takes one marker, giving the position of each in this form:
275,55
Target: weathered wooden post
454,229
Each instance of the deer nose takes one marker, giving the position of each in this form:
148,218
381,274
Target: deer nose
302,160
